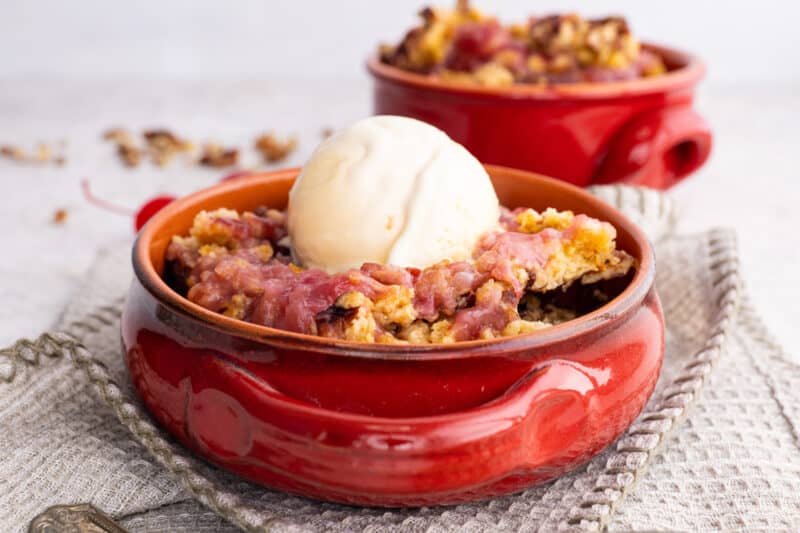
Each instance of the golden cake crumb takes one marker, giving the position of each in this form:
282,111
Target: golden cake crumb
395,306
206,231
493,75
362,326
213,250
264,252
236,306
531,221
589,250
520,326
418,332
440,332
353,299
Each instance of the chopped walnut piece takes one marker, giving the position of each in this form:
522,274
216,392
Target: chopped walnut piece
41,154
60,216
217,156
12,152
164,144
273,149
160,144
164,139
118,135
129,154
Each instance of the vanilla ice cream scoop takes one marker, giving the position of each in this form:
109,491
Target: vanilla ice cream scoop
389,190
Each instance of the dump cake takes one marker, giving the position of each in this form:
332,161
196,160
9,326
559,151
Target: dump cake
537,270
464,45
393,233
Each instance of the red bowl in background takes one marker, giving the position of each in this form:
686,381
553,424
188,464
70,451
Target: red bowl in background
382,424
639,132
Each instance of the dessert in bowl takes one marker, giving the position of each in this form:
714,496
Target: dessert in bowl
388,418
463,45
581,100
394,234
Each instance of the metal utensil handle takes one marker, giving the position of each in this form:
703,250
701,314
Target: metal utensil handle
80,518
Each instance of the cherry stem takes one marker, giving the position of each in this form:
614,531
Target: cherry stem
104,204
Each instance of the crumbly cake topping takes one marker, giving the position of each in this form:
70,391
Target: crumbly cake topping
463,45
542,268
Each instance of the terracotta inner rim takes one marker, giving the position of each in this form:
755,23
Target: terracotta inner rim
684,69
156,233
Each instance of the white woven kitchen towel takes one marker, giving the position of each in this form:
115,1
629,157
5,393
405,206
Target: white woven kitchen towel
717,447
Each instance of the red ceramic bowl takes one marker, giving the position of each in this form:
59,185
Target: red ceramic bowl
641,132
385,424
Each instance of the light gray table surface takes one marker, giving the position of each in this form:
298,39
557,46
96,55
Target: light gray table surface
751,183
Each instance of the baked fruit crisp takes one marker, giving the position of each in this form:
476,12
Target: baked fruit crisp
538,269
463,45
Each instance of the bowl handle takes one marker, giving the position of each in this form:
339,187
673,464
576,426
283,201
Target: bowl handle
657,148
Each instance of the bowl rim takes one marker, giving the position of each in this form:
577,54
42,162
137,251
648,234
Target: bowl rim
691,70
605,316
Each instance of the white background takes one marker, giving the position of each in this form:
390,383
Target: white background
743,41
69,69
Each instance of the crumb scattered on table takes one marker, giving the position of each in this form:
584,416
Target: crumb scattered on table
60,216
273,149
41,154
161,146
127,150
217,156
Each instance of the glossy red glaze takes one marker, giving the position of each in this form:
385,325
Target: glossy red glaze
641,132
150,208
386,424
